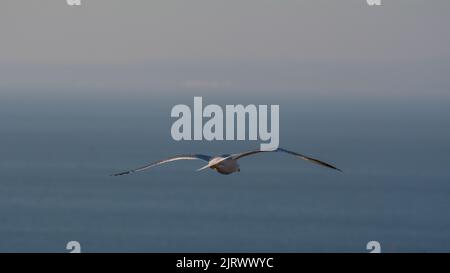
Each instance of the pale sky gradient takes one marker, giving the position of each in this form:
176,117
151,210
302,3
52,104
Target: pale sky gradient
120,31
264,45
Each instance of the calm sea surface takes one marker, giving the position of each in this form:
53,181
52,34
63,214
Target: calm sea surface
56,154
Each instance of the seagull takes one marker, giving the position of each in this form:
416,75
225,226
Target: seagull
225,164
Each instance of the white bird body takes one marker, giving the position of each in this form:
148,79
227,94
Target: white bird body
226,164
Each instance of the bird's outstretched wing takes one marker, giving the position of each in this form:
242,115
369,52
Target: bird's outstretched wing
240,155
170,159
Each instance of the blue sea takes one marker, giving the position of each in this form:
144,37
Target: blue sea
58,149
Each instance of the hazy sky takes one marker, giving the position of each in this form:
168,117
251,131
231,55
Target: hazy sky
139,30
155,43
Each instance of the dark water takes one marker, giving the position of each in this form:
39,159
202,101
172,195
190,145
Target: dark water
56,153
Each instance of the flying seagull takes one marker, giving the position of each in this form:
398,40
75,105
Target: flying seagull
225,164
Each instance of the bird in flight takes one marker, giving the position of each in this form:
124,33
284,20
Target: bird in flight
225,164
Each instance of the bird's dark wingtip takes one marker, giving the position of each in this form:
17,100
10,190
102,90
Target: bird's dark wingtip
335,168
118,174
